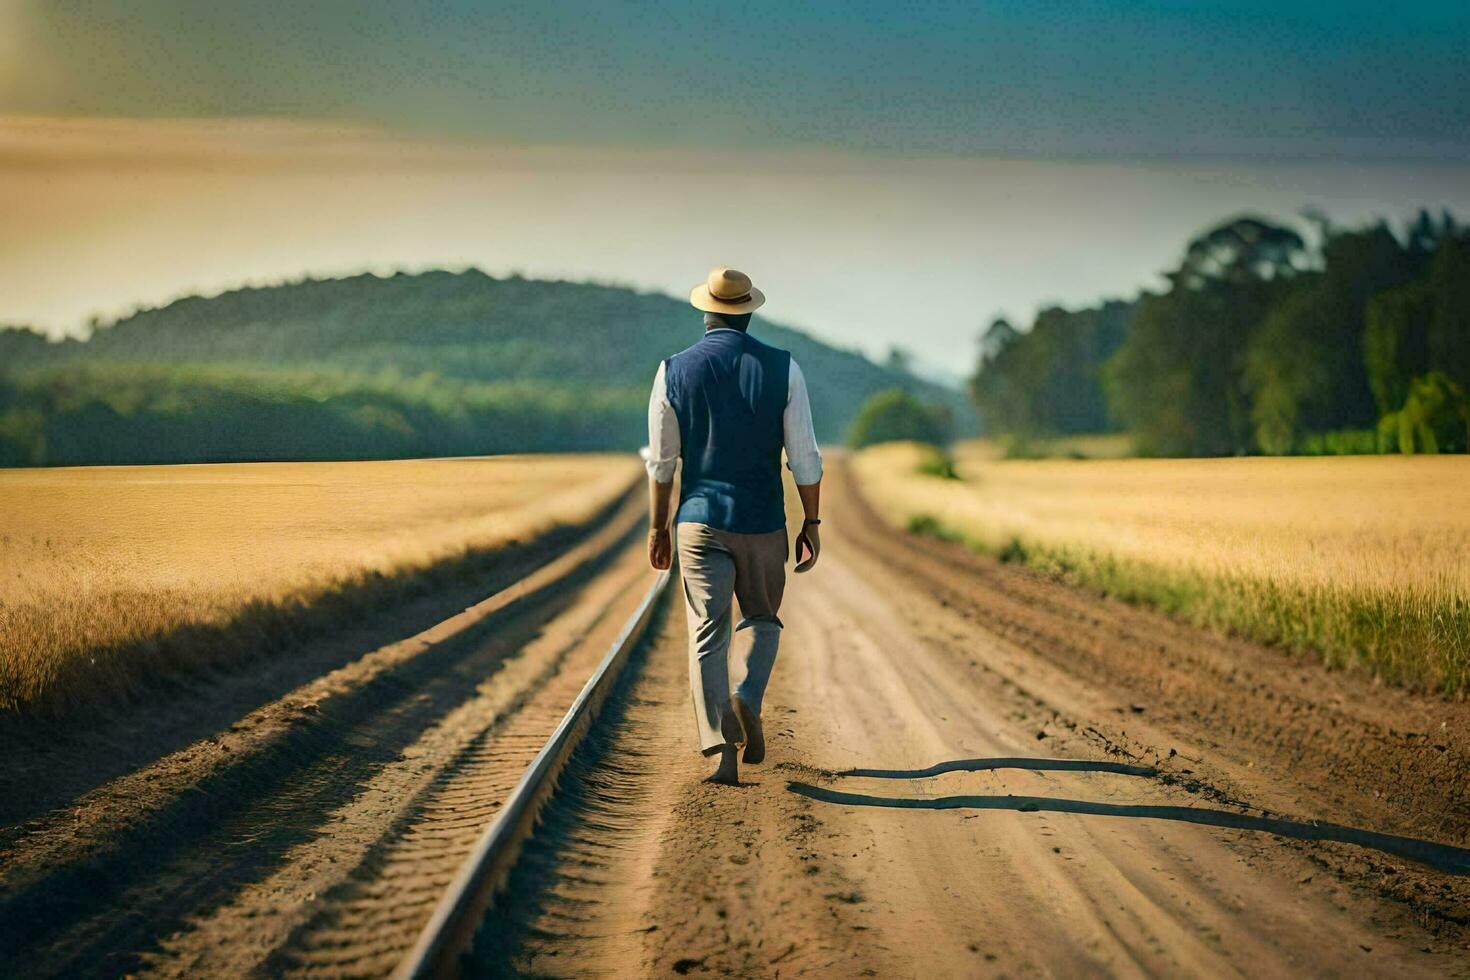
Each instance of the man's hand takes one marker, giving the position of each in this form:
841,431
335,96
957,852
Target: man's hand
660,545
810,541
660,548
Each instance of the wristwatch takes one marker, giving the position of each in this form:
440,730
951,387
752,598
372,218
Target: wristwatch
811,522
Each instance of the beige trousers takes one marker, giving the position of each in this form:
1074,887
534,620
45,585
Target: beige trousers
717,566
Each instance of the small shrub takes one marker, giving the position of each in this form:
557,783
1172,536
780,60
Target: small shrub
1020,447
1343,442
1013,552
930,526
937,462
897,416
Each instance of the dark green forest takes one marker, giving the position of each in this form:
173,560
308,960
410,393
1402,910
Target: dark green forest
432,364
1259,343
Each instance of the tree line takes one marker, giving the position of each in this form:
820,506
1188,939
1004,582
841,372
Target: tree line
117,413
1260,342
437,363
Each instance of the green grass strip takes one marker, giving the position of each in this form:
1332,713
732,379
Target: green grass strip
1407,637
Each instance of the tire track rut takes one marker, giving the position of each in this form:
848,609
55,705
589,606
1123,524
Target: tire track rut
365,924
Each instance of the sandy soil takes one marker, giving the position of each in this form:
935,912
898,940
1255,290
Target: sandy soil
898,658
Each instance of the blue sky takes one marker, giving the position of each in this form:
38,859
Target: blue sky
1002,78
953,161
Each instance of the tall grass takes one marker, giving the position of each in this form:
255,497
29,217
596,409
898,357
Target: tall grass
117,576
1361,561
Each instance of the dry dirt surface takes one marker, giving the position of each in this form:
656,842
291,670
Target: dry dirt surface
976,771
972,770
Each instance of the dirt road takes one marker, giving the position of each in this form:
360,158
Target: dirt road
899,656
972,771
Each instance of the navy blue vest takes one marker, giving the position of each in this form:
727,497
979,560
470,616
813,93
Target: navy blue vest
729,393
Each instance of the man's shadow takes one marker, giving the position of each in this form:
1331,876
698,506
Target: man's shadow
1443,857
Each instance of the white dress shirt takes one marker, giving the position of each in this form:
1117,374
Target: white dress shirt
802,456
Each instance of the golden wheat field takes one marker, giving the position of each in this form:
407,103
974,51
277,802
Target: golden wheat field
1362,557
98,558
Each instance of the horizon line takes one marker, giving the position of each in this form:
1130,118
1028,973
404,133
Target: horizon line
32,141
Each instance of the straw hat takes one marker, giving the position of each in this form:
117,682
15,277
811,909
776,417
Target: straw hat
726,291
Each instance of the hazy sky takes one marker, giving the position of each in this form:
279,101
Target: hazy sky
890,172
1039,76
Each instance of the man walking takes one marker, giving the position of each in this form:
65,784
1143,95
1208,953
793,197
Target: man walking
726,407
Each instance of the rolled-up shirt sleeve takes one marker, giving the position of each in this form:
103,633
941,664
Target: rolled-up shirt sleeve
803,457
663,432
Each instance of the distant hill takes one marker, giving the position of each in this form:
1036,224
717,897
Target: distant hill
381,366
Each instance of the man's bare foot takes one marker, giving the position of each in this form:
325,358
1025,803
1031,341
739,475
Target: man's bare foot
727,774
755,740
